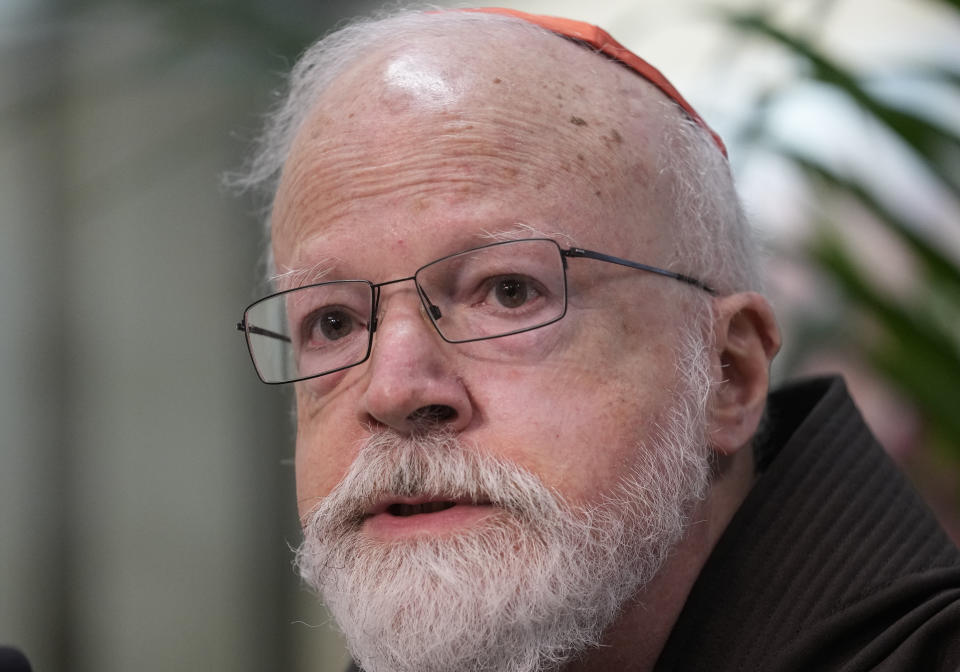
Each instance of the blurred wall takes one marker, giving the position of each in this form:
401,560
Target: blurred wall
146,503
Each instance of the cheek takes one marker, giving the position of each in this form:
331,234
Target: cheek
324,453
578,432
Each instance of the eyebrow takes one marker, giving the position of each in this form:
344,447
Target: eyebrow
522,230
317,272
307,275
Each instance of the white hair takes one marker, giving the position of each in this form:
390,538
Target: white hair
714,240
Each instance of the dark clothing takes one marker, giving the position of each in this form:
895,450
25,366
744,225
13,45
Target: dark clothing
832,562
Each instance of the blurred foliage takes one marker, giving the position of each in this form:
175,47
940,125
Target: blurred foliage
910,337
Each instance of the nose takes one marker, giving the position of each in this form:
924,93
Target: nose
412,382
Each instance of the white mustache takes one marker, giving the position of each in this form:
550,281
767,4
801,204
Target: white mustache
435,464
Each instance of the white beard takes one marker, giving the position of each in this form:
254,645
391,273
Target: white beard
526,589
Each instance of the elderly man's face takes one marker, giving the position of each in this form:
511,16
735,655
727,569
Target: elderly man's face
404,161
378,186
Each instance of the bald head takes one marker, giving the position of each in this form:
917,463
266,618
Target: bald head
541,124
539,99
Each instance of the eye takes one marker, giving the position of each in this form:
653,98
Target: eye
512,292
329,325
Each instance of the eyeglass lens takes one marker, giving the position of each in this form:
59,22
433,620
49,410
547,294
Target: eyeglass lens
483,293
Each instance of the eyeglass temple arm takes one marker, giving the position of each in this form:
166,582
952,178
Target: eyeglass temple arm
260,331
590,254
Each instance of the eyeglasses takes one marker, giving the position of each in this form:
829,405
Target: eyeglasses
486,292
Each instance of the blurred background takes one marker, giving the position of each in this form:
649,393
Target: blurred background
146,492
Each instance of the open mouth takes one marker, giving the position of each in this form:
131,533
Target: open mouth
404,510
437,514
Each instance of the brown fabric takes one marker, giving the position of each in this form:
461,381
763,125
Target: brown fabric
832,563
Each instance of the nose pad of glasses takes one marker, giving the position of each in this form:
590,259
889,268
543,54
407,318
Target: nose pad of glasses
431,306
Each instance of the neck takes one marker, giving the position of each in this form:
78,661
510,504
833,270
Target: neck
635,640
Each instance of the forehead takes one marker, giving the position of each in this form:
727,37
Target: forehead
417,136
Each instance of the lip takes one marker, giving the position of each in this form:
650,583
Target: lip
382,523
384,505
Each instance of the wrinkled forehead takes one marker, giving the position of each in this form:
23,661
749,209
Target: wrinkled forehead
525,109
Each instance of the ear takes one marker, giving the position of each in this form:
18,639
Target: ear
746,338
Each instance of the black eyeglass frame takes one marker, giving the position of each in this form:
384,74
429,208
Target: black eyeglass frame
433,311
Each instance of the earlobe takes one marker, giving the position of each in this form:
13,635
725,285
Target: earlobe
746,339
